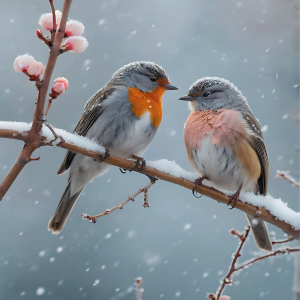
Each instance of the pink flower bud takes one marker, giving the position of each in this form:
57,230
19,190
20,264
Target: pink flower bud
35,68
39,34
60,85
46,20
76,44
22,62
224,297
74,27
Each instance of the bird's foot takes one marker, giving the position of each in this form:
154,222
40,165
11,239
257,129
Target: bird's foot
140,164
123,171
198,181
105,156
235,197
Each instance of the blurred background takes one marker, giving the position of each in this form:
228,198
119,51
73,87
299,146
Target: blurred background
180,246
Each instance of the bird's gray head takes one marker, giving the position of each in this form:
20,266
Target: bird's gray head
146,76
215,93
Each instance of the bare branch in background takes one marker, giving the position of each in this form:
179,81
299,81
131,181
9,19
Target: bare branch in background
227,279
285,175
138,288
283,241
144,190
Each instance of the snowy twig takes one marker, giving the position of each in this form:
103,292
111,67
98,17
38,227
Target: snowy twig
227,279
33,139
144,190
233,268
285,175
283,241
138,288
53,31
274,253
89,148
48,107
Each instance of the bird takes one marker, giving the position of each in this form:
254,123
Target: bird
225,144
124,117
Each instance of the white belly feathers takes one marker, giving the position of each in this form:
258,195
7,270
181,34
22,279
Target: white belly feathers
221,167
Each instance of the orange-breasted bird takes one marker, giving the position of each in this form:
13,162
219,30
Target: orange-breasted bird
124,116
225,144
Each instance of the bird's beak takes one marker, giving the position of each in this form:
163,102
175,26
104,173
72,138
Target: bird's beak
187,98
169,86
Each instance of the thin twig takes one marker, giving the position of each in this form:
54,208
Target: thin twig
33,139
285,175
283,241
138,288
93,219
280,251
53,31
227,279
233,268
48,107
56,136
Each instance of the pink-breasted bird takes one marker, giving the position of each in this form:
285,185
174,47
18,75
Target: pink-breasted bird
225,144
123,116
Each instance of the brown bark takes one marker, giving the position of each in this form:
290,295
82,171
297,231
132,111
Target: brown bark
33,139
210,192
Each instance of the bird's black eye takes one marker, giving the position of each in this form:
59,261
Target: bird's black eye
153,79
205,94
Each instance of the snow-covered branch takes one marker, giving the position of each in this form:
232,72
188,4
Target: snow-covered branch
267,208
286,175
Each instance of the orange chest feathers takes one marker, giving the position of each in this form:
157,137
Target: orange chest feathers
143,102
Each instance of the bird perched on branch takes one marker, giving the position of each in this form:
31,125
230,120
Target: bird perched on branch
124,117
225,144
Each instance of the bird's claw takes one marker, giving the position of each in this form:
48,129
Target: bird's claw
105,156
234,198
140,164
198,181
122,171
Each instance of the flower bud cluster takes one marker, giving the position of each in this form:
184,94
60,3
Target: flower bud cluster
60,86
26,63
46,20
74,43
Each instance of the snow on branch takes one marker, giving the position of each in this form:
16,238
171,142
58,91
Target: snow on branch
267,208
285,175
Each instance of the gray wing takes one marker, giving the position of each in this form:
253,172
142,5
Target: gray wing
257,142
91,112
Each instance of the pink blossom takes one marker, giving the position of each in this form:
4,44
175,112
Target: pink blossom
22,62
224,297
46,20
60,85
74,27
76,44
35,68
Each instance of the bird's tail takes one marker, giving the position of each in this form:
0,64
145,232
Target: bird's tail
260,233
63,210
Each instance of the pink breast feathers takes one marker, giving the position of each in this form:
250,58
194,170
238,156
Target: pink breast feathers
224,125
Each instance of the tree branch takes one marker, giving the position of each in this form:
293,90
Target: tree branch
122,163
33,140
285,175
120,206
227,280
